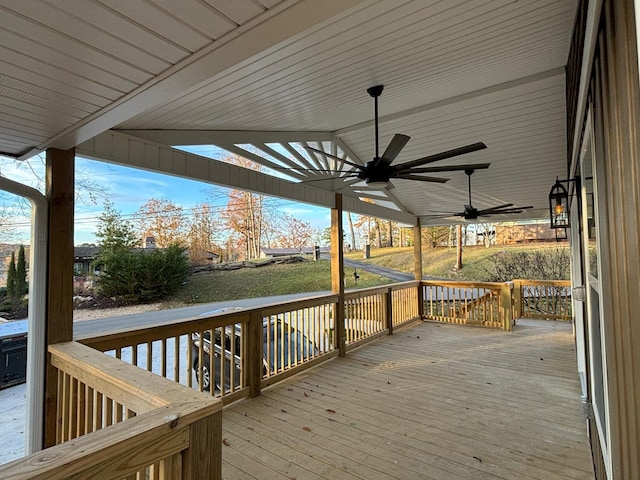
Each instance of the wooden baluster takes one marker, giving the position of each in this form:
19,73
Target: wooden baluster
150,357
189,360
163,357
80,410
171,467
216,363
98,416
60,408
176,360
109,411
89,409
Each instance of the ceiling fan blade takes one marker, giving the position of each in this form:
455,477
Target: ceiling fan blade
406,176
442,215
329,178
440,212
505,210
396,144
499,207
332,156
452,168
317,170
443,155
514,209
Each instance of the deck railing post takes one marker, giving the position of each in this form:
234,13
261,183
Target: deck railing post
420,300
59,322
517,298
388,310
337,273
252,342
203,458
506,307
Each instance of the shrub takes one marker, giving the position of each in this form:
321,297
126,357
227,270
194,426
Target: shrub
11,277
140,276
542,264
22,287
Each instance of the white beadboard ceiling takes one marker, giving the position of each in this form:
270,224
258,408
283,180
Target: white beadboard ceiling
272,73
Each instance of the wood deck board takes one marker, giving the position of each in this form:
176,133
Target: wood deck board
431,402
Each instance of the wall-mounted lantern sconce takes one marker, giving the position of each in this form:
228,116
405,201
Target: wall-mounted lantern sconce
559,206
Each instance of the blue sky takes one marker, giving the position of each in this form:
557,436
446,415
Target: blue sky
129,189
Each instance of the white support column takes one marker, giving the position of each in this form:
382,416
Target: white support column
37,311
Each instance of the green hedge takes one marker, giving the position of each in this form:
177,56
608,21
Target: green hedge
140,276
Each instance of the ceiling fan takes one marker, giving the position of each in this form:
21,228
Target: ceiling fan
472,213
378,172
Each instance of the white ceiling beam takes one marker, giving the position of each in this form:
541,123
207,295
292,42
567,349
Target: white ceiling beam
214,137
254,157
278,24
292,151
134,152
347,149
291,165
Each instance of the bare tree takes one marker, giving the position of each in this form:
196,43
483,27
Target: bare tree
249,217
88,190
434,236
203,234
296,234
7,224
161,219
352,232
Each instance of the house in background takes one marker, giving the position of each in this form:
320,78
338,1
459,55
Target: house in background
524,233
83,258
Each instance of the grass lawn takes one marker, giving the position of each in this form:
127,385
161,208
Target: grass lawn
440,262
307,276
310,276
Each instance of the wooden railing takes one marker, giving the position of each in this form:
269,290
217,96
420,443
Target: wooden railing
118,422
547,299
235,354
405,304
231,354
469,303
365,314
294,336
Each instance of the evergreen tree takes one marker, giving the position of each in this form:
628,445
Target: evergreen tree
21,274
11,278
136,276
114,233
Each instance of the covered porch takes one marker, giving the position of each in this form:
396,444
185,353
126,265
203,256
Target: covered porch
406,399
433,401
549,87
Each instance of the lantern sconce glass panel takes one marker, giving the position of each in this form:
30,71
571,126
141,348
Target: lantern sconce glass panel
559,206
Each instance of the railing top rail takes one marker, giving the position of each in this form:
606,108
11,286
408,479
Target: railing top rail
138,389
549,283
115,451
462,284
363,292
290,305
149,333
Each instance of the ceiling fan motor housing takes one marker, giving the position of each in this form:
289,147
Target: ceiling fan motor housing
374,171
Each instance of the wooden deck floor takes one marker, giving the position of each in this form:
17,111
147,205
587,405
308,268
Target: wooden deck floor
430,402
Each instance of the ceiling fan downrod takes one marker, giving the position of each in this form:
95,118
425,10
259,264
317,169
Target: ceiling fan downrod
469,172
375,92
